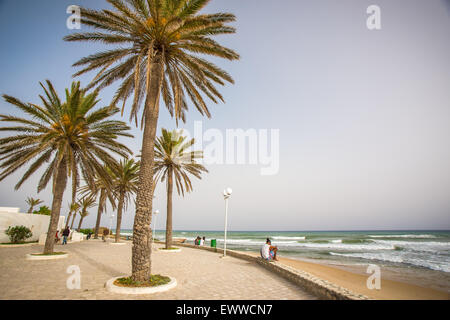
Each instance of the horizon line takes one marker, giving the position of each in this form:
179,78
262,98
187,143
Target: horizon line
328,230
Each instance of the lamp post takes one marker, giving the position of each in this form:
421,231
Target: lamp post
226,194
154,224
110,223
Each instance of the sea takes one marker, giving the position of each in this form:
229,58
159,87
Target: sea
418,249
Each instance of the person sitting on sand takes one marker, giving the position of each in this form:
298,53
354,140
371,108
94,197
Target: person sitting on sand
269,252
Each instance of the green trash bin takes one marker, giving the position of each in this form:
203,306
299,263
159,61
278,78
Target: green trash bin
213,243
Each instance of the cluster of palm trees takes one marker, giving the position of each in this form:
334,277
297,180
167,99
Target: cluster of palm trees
118,187
158,52
32,203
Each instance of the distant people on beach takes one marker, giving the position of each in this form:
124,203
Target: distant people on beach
202,241
89,235
198,241
65,234
57,238
269,252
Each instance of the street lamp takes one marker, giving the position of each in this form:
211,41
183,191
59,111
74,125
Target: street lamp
226,194
110,223
154,224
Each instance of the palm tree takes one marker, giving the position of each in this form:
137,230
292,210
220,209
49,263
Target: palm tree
66,136
73,208
173,160
32,203
126,177
73,219
158,43
85,203
103,188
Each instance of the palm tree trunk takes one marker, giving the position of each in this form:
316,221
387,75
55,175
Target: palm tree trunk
58,192
142,234
79,225
169,209
99,213
74,194
68,218
73,220
119,215
30,210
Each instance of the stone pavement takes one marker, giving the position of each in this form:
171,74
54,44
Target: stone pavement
200,274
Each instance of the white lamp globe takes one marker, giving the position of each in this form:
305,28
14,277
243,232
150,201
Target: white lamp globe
229,191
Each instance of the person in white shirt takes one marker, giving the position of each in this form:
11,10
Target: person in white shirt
202,241
269,252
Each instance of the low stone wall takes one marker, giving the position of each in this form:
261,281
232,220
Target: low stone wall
320,288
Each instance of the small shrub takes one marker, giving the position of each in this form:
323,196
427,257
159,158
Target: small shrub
86,231
44,210
18,234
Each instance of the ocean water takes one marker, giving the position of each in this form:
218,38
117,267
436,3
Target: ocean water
420,249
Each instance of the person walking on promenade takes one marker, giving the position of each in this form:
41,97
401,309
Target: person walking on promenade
65,234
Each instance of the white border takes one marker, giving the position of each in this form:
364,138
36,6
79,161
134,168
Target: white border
139,290
170,250
50,257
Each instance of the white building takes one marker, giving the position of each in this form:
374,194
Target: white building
37,223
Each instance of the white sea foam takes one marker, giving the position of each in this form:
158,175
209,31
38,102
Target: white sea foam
337,241
237,241
431,246
257,242
347,246
289,238
399,258
371,256
414,236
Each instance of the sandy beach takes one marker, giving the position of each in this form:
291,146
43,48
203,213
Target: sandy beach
355,281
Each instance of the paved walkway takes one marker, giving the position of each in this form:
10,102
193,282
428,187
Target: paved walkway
200,275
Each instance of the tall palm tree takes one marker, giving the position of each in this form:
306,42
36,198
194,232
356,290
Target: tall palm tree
73,209
73,219
158,43
103,189
32,203
126,178
173,160
66,136
85,203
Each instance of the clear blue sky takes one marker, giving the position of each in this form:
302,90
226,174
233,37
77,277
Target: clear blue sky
364,116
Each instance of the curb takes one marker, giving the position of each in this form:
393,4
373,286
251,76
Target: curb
52,257
18,245
169,251
143,290
117,243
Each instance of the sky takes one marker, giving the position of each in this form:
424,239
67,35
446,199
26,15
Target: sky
363,115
